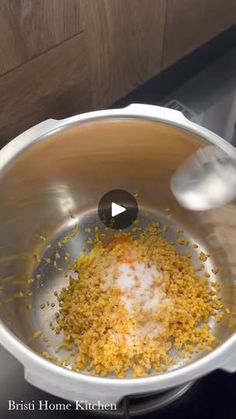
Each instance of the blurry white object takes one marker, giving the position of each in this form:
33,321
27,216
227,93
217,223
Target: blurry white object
206,180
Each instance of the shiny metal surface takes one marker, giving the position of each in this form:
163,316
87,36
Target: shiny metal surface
16,388
64,167
52,280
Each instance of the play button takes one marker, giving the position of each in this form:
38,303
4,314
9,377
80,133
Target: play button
117,209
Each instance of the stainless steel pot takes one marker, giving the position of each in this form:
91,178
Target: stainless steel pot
59,167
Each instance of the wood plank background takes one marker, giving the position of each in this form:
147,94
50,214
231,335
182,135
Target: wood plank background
53,85
62,57
190,23
30,27
124,45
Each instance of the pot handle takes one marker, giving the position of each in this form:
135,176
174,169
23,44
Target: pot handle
229,365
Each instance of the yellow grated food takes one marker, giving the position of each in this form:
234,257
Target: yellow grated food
100,333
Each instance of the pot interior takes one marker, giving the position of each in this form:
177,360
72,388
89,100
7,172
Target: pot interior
67,173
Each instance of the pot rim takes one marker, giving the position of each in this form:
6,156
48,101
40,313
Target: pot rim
29,358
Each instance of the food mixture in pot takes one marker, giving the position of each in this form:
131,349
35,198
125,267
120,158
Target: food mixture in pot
135,303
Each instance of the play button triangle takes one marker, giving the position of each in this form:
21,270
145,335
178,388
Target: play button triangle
116,209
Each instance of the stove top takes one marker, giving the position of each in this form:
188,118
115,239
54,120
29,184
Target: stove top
209,99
